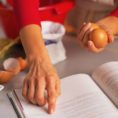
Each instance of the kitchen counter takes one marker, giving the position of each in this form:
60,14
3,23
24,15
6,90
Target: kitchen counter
78,60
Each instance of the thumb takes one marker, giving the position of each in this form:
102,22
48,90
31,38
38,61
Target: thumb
92,47
110,37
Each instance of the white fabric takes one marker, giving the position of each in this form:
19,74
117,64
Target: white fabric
54,32
56,52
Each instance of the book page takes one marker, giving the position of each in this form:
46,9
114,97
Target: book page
107,78
80,98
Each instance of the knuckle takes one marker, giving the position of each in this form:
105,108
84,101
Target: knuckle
30,80
39,99
51,94
55,70
30,98
51,76
25,81
50,83
39,78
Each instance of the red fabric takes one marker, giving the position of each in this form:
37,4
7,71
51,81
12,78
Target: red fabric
114,13
27,12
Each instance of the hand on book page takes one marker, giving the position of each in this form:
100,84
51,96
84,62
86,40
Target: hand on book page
80,98
106,76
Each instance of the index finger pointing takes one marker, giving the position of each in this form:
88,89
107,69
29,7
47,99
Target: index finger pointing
51,94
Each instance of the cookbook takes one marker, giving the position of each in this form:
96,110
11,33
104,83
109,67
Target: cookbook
83,96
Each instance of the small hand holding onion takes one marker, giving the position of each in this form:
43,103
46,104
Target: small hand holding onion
94,37
98,36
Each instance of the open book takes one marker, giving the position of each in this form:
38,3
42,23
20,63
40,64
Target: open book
83,96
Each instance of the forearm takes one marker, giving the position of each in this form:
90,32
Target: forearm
33,43
42,75
111,22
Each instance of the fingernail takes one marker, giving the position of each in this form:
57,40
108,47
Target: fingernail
51,111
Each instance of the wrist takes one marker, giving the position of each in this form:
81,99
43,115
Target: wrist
33,44
109,23
31,39
38,58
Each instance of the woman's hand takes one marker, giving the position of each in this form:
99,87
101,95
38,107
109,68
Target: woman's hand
83,37
42,76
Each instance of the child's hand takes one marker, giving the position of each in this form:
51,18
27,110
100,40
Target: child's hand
83,37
